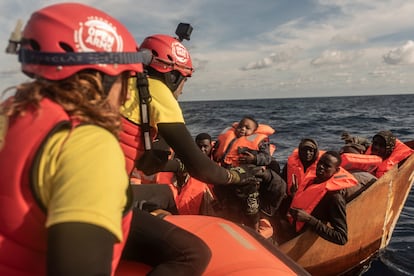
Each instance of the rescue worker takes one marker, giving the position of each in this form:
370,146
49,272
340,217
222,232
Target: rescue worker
177,251
64,188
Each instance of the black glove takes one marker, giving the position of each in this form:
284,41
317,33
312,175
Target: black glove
242,175
152,161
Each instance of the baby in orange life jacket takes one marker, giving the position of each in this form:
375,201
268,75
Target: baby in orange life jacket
245,142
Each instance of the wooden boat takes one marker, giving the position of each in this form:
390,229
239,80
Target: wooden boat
235,250
371,218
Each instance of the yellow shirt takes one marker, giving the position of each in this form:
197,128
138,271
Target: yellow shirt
163,107
82,178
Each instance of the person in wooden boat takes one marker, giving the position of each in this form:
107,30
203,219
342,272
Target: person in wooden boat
302,160
390,149
205,143
245,142
153,109
321,200
356,140
360,165
192,196
62,205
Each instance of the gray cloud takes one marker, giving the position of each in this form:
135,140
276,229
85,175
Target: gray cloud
401,55
335,57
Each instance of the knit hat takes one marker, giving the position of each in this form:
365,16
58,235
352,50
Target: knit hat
308,142
389,139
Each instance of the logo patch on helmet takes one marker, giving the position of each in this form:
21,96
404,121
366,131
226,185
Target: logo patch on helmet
180,52
98,35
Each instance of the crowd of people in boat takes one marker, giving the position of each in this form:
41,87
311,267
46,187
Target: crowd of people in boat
311,190
98,131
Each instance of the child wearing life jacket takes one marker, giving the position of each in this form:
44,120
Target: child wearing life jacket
244,143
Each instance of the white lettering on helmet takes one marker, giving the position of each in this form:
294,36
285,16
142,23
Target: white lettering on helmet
97,35
180,52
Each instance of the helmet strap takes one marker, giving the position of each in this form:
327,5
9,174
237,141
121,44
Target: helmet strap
171,79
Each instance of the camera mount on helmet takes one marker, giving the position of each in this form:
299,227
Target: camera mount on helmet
184,31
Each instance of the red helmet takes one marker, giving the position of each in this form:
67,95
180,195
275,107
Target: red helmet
62,39
168,54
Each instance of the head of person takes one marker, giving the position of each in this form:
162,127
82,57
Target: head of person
171,61
353,148
247,126
383,144
81,60
327,166
203,141
346,136
308,151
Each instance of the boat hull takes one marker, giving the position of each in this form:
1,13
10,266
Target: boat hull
235,250
371,219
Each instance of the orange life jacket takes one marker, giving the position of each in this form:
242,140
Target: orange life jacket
189,197
228,147
295,170
309,197
362,162
131,142
22,229
400,152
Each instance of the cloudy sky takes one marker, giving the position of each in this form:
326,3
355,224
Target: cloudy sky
267,49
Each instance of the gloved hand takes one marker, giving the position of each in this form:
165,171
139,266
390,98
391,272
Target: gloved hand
242,175
152,161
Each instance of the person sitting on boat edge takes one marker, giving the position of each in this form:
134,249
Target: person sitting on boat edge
170,67
390,149
322,200
64,189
